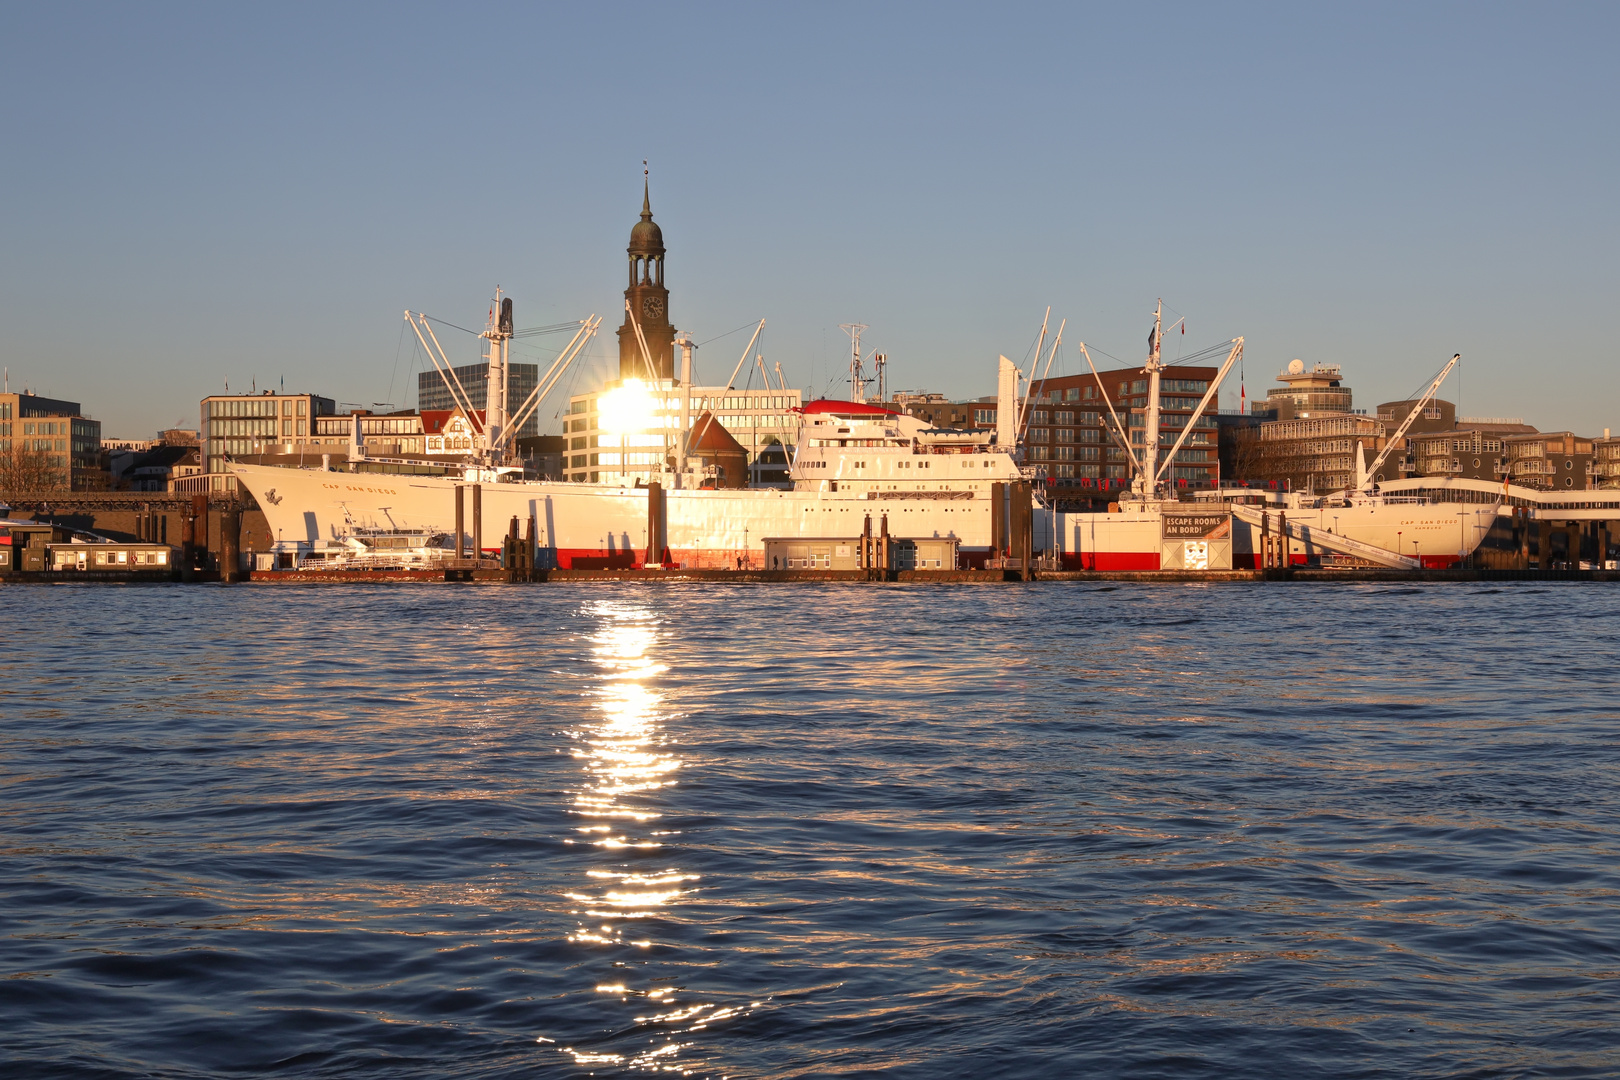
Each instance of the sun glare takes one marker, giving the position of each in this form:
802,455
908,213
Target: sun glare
627,409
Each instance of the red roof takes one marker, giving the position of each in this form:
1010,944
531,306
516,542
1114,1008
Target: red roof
707,434
846,408
433,420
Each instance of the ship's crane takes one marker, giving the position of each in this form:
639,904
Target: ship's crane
1400,432
493,444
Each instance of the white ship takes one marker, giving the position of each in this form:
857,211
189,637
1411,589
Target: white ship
858,466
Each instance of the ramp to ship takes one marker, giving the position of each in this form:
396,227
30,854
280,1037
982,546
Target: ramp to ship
1323,540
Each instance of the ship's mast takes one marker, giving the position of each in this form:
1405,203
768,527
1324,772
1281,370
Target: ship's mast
857,378
1146,483
499,335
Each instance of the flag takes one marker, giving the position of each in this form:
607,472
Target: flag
1184,328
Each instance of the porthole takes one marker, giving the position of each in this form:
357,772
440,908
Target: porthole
1569,481
1476,463
1569,464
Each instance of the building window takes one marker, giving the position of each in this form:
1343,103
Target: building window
1065,434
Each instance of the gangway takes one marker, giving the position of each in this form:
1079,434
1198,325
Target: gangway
1326,540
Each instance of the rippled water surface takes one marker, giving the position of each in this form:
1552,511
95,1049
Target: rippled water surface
754,831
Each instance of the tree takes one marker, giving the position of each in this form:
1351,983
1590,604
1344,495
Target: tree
24,471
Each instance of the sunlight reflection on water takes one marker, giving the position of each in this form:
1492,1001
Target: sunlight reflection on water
627,758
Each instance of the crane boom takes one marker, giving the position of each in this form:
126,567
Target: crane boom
1214,388
1118,430
1400,432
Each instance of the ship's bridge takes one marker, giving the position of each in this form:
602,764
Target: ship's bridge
854,447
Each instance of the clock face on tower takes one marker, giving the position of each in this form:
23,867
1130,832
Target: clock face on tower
653,307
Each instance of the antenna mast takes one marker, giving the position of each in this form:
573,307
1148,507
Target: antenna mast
857,378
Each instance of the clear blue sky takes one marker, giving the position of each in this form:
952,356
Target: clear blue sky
196,194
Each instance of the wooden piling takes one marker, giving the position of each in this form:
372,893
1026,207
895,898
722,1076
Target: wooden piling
230,543
461,523
655,525
998,519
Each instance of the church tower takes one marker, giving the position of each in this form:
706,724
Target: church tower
648,299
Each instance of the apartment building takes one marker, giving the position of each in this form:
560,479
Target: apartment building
47,443
1474,449
1318,454
1606,461
1552,460
1071,438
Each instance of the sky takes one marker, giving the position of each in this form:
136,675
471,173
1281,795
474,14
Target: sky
252,195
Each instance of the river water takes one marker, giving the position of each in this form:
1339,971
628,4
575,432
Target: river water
767,831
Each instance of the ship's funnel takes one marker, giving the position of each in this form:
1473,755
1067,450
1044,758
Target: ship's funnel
506,316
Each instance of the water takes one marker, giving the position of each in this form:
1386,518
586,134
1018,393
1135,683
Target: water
1278,830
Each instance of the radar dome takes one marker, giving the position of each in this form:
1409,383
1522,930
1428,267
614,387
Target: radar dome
1296,367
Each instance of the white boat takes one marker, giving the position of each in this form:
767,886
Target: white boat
859,466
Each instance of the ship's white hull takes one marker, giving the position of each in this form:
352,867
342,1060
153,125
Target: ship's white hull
586,526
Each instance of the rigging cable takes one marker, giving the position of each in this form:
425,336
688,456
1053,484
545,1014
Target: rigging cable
397,349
